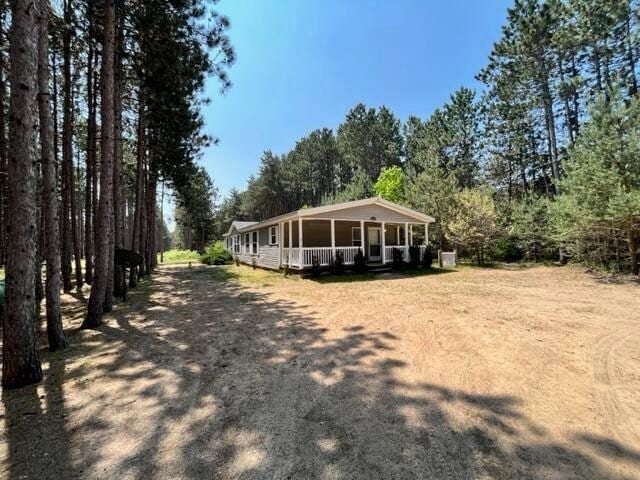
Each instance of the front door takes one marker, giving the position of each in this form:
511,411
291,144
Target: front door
375,244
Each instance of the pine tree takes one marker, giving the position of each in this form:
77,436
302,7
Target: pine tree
51,252
99,286
20,364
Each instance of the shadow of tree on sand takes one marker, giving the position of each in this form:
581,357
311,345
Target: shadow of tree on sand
203,379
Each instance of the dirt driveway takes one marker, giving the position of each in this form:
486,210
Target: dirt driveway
523,373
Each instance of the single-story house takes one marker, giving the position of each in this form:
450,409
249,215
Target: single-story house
375,225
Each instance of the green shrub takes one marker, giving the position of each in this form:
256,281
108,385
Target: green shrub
359,262
338,263
414,256
398,262
315,266
216,254
427,258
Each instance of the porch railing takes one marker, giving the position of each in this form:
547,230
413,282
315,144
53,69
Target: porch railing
292,256
325,255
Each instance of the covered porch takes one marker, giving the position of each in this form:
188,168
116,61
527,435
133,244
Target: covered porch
304,238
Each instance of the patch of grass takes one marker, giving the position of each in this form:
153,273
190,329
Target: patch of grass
246,275
180,256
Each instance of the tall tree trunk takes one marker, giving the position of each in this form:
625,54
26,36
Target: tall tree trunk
565,101
162,223
67,145
105,207
633,248
55,332
150,252
94,163
67,132
633,88
137,235
118,204
20,362
3,148
91,151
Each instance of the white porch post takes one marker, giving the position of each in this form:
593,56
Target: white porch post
333,239
290,241
384,256
406,241
397,234
426,234
362,238
301,252
411,234
280,240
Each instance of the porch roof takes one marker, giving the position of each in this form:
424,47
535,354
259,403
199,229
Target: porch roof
309,212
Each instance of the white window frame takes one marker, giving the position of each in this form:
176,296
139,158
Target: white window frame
254,242
353,239
273,235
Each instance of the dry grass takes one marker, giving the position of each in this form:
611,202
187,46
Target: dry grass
228,372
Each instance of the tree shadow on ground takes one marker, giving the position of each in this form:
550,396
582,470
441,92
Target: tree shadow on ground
197,379
350,276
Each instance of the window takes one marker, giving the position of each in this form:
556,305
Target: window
255,243
246,243
273,235
237,244
356,237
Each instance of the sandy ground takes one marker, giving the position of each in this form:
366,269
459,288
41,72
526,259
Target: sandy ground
480,373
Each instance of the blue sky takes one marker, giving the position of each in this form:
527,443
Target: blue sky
302,64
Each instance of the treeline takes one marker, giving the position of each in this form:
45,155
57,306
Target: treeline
542,164
99,108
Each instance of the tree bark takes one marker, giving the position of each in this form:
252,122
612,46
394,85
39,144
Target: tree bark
67,242
91,151
137,236
105,207
21,365
70,217
633,248
118,204
150,255
55,332
3,150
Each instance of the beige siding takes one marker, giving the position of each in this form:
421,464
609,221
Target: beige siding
365,212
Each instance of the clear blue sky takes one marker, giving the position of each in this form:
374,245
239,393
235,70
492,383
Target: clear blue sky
301,65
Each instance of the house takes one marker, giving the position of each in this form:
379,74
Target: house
375,225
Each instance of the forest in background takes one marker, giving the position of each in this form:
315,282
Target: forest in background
543,163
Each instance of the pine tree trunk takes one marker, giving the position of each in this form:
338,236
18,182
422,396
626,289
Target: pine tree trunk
633,248
118,275
55,332
91,152
151,258
3,149
67,147
21,365
550,123
633,88
67,151
105,206
136,234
